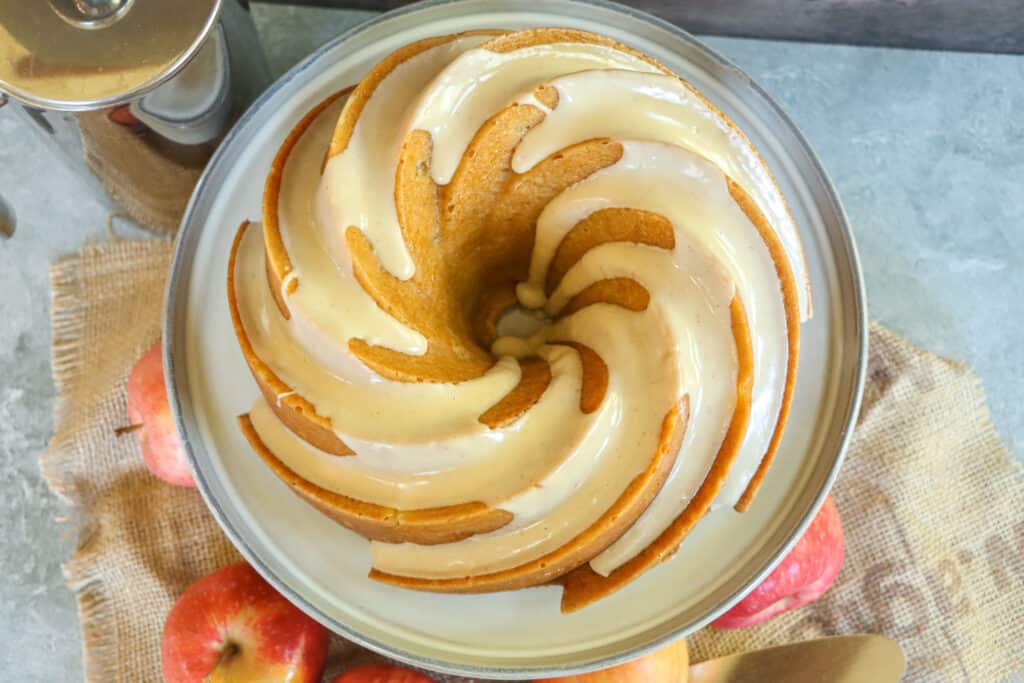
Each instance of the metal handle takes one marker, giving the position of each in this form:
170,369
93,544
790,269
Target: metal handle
91,14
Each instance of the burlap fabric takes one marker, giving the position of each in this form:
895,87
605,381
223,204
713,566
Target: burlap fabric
149,177
932,504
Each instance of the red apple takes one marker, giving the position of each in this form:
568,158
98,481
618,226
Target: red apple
150,415
802,577
232,627
670,664
123,115
382,673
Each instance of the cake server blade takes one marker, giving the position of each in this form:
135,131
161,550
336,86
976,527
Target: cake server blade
839,659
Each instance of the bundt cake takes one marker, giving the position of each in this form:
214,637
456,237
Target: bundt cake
522,307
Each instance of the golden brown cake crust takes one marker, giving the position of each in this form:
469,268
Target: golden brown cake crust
291,408
362,92
585,586
533,381
425,527
373,521
611,525
789,299
278,264
527,38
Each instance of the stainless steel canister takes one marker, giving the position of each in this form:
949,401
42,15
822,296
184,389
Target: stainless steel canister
135,94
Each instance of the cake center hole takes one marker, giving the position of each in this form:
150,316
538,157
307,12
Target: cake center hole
520,332
519,321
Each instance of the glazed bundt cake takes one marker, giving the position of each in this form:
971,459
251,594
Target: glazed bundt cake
522,307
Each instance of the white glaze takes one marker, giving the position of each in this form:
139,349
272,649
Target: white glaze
480,83
359,184
660,108
323,304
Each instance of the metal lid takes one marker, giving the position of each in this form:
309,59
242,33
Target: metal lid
88,54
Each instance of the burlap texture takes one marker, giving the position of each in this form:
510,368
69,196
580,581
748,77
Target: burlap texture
149,177
932,503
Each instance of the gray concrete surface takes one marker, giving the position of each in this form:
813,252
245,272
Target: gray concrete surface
992,26
924,147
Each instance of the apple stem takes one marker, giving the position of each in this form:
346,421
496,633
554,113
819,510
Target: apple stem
218,673
121,431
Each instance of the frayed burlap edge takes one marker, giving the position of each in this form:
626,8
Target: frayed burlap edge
68,306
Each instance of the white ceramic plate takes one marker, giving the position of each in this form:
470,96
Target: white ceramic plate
322,567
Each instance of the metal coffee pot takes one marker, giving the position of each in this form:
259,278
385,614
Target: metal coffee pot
135,94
